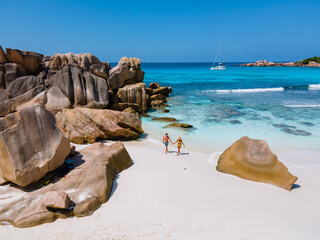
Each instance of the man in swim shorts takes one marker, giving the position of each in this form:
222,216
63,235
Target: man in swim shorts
165,141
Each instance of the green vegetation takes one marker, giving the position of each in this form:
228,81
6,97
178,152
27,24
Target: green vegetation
306,61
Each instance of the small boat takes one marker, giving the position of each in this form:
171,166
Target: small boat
220,66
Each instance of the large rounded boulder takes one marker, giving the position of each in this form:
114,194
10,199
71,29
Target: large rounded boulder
128,71
252,159
82,125
31,145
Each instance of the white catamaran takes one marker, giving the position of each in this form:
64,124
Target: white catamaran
220,66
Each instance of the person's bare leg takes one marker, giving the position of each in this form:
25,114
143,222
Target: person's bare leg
166,150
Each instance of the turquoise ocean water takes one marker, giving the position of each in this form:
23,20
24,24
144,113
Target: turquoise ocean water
280,105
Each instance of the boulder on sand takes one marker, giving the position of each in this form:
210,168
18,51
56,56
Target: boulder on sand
88,182
82,125
31,145
252,159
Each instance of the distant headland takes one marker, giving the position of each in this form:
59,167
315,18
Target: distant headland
308,62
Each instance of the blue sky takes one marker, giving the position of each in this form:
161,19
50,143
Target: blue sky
165,31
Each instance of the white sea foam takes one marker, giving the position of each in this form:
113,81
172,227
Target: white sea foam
154,140
314,87
303,106
253,90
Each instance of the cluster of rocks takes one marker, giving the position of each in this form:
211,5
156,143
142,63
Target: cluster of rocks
42,177
265,63
48,101
156,96
64,82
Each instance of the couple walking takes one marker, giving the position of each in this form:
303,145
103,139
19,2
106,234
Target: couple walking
166,139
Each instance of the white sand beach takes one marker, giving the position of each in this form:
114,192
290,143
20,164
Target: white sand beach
168,197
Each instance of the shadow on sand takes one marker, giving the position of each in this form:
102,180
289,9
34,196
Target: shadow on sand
295,186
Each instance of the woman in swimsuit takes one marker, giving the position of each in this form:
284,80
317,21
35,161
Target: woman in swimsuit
165,141
180,142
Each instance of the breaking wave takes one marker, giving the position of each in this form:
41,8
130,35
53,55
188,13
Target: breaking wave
310,87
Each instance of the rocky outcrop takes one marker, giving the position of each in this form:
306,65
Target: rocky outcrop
157,95
18,92
86,61
165,91
30,145
22,85
87,178
253,160
128,71
265,63
313,64
158,104
30,61
82,125
134,93
10,105
80,87
154,85
9,72
289,64
52,100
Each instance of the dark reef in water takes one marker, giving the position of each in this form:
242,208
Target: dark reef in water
235,122
309,124
296,132
291,130
282,125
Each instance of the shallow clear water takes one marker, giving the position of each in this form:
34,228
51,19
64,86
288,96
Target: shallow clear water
280,105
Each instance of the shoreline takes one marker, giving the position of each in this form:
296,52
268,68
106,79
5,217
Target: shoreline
301,158
168,197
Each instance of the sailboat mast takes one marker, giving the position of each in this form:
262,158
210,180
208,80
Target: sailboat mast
220,53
